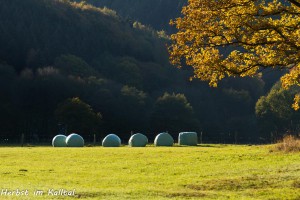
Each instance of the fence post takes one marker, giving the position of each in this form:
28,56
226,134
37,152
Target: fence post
201,137
235,137
22,139
94,139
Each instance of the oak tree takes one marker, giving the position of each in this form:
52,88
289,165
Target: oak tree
221,38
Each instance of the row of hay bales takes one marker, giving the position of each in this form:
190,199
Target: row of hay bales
136,140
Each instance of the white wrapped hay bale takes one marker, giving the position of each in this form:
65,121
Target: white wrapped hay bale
75,140
138,140
188,138
163,139
59,141
111,140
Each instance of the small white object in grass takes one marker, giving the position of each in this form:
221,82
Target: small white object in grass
111,140
163,139
138,140
59,141
75,140
188,138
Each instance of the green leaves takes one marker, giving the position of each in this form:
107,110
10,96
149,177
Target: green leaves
78,116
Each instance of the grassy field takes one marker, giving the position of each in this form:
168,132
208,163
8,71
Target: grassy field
206,172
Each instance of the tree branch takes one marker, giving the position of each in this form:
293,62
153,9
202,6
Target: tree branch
296,3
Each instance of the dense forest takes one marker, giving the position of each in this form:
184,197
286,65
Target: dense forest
68,66
154,13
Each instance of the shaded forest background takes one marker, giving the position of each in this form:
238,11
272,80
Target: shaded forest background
67,66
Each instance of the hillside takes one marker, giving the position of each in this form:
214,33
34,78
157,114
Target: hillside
50,42
46,29
62,62
154,13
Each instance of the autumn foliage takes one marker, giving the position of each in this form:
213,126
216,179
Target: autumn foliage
221,38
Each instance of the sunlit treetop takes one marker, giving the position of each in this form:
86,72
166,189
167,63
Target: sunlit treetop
252,34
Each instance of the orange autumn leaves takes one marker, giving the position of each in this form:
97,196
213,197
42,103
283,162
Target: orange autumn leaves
221,38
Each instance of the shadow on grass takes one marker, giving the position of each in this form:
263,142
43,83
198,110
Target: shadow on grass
198,145
185,195
85,195
237,184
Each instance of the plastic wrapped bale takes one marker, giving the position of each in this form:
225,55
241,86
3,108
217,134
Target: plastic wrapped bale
138,140
59,141
111,140
75,140
188,138
163,139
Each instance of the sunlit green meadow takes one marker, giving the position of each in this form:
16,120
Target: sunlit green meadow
206,172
